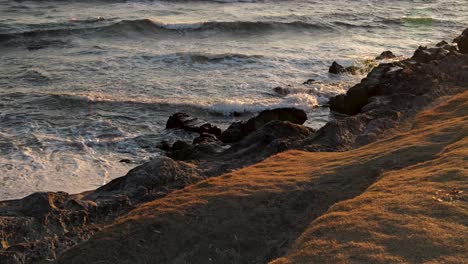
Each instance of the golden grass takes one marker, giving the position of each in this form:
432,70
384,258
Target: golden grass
401,199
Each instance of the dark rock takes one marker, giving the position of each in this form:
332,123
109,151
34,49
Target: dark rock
462,42
385,55
271,138
442,43
309,81
191,124
153,175
353,70
125,161
41,203
210,129
336,68
425,55
281,91
205,138
180,145
239,130
164,145
234,133
293,115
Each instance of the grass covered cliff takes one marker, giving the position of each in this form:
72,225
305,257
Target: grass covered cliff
398,200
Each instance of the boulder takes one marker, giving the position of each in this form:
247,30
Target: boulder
385,55
442,43
462,42
235,132
239,130
160,173
191,124
205,138
425,55
336,68
41,203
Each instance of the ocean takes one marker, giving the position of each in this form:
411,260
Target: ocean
85,84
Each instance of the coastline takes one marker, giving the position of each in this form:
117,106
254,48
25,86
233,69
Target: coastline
389,104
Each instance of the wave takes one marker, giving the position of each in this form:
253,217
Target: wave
155,26
202,57
72,102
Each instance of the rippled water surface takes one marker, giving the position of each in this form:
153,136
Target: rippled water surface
84,84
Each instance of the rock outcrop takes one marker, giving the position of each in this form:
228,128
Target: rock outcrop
239,130
386,55
336,68
191,124
462,42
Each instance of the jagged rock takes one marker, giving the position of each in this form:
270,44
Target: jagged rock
234,133
442,43
261,139
385,55
425,55
41,203
164,145
462,42
191,124
239,130
353,70
205,138
159,173
336,68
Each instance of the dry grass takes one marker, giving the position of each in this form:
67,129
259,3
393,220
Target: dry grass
402,199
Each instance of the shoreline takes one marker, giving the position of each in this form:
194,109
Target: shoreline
385,103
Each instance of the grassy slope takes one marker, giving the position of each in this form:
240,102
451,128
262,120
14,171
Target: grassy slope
396,200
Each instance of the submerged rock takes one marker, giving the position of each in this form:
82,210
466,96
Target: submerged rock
385,55
336,68
281,91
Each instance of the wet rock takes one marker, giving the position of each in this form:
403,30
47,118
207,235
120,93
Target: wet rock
425,55
462,42
385,55
239,130
191,124
164,145
309,81
336,68
281,91
442,43
353,70
205,138
235,132
179,145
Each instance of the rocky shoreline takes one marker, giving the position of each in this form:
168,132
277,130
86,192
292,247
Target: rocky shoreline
42,226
